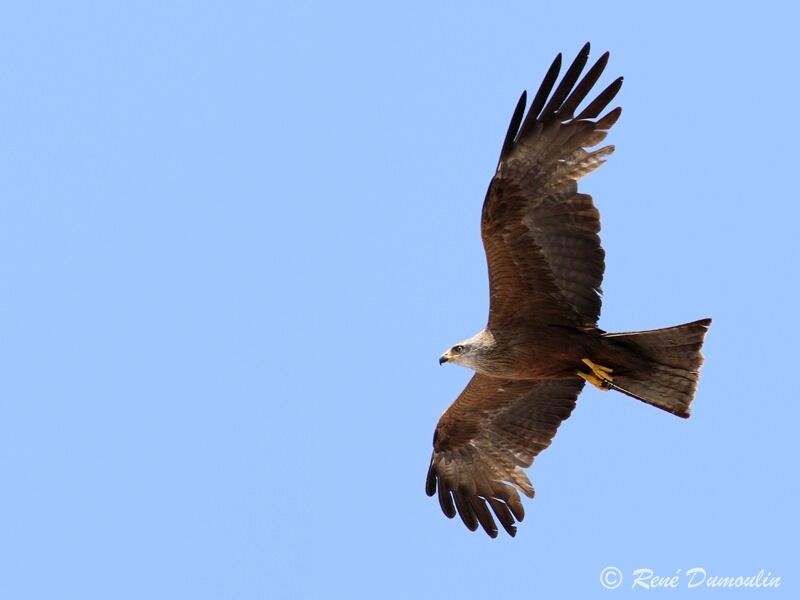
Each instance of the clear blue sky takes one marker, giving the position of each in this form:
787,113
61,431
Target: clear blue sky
235,237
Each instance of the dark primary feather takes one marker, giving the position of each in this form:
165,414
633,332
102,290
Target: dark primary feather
483,441
584,87
602,100
516,119
569,79
541,95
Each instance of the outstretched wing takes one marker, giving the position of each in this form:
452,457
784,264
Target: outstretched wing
540,234
490,433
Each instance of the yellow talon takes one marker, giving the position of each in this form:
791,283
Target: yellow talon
595,381
600,377
599,370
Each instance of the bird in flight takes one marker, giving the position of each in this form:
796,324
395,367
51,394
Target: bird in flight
542,343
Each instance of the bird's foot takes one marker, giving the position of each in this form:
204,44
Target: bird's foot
600,377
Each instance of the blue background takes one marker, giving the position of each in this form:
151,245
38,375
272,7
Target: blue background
235,237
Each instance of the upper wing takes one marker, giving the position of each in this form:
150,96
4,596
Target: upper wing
491,432
540,234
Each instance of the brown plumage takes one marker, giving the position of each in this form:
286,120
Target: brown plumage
545,270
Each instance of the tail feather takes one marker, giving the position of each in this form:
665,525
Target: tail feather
666,372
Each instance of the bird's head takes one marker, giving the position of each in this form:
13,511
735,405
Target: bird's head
456,354
467,353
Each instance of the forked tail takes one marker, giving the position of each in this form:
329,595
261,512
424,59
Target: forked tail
666,370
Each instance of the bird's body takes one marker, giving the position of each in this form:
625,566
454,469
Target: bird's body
523,353
542,341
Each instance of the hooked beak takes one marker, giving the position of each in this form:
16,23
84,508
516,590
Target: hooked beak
444,358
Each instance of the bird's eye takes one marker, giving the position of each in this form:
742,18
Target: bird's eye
458,349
